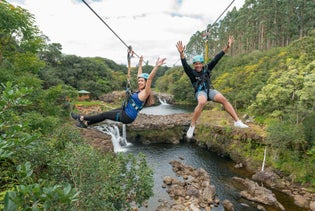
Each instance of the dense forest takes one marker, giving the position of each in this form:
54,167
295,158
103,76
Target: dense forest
269,73
258,25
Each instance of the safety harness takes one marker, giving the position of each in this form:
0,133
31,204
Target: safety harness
202,81
129,93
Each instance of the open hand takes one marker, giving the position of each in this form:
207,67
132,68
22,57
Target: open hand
180,47
230,41
160,62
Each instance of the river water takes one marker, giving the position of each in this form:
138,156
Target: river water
220,169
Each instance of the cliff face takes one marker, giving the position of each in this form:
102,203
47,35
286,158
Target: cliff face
216,135
158,129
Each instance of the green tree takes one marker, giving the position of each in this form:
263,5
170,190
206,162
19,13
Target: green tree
19,43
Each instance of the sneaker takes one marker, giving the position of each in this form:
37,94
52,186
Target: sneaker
78,118
240,124
75,116
190,132
81,125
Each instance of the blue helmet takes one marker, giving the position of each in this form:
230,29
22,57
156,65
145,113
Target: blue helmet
144,75
198,58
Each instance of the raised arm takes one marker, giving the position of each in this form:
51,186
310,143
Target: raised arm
229,44
181,48
158,63
140,65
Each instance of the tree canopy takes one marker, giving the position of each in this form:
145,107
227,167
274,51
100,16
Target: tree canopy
257,25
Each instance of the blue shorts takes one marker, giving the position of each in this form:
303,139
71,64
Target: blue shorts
212,93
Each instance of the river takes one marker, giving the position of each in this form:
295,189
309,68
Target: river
220,169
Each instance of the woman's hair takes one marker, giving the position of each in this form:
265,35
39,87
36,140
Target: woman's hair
150,100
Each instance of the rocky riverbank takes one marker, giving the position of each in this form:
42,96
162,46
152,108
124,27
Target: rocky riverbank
151,129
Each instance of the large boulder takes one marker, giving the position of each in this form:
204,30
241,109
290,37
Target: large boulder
254,192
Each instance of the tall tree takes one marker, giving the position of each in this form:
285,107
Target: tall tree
19,43
258,25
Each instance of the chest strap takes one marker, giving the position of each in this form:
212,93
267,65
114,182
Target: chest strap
134,105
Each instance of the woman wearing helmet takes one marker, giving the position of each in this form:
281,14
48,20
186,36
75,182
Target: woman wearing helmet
135,102
200,78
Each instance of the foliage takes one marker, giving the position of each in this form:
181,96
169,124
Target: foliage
34,135
258,25
285,135
19,43
23,189
107,181
44,156
175,82
298,169
92,74
31,195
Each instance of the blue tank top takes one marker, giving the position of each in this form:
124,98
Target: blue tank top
133,110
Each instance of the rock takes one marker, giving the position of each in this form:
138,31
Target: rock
261,208
269,178
244,205
194,208
228,206
192,192
256,193
113,96
312,205
300,201
238,166
168,180
98,140
286,191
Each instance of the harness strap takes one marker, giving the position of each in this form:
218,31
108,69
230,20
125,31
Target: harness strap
134,105
130,53
203,83
117,117
127,97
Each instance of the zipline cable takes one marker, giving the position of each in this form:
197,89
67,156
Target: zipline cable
108,26
208,31
223,12
216,19
129,48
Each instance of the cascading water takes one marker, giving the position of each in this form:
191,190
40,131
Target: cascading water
163,101
119,141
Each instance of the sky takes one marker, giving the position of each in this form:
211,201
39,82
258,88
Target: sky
151,27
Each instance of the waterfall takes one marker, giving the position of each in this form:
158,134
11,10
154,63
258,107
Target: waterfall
163,101
124,135
119,141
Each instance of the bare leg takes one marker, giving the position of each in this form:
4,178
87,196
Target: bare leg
219,98
202,100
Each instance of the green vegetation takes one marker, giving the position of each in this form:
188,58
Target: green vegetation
97,75
258,25
46,165
44,162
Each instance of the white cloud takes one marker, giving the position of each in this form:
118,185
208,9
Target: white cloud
152,28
